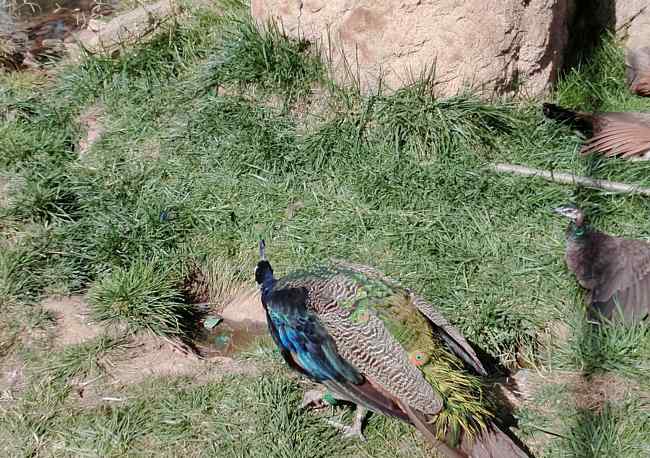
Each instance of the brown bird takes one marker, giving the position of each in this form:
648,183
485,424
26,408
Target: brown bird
637,63
615,271
615,133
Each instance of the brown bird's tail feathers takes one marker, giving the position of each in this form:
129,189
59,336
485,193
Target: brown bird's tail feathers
642,87
638,70
492,443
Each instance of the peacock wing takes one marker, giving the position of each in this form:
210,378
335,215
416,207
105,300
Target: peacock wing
625,134
621,271
322,347
445,330
449,334
303,342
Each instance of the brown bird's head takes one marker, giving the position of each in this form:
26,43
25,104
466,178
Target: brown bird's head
572,212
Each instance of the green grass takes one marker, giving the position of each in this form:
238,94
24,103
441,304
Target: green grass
268,60
612,431
599,82
609,348
207,147
241,416
143,297
82,359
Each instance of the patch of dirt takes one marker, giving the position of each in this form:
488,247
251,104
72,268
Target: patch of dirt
245,306
149,356
91,123
311,110
12,378
146,356
594,392
73,323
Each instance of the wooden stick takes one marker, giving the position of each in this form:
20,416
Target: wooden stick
569,178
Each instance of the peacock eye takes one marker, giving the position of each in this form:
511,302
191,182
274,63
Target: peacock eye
418,357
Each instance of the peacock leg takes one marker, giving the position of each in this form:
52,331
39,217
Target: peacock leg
319,398
355,430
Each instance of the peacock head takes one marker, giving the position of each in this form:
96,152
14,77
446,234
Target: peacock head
572,212
263,270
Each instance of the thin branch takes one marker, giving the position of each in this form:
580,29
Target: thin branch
569,178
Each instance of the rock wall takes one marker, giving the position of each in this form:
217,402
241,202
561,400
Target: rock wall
492,45
633,21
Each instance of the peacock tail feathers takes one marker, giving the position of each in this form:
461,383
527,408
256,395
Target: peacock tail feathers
466,409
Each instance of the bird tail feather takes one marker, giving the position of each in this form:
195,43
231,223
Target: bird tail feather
367,395
420,422
491,443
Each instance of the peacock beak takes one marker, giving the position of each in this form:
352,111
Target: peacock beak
561,210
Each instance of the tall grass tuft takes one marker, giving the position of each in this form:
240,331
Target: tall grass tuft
265,57
143,295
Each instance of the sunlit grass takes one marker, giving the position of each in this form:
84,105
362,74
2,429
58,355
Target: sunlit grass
203,152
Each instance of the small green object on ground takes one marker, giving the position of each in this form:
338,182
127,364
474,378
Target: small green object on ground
329,399
211,321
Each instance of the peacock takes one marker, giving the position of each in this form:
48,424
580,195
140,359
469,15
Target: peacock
637,63
624,134
377,344
615,270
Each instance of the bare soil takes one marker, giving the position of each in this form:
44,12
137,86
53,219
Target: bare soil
92,125
144,356
73,323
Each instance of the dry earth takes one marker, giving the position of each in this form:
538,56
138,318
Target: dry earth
142,356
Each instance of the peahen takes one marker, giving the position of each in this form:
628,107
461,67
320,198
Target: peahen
637,63
615,271
371,342
611,133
